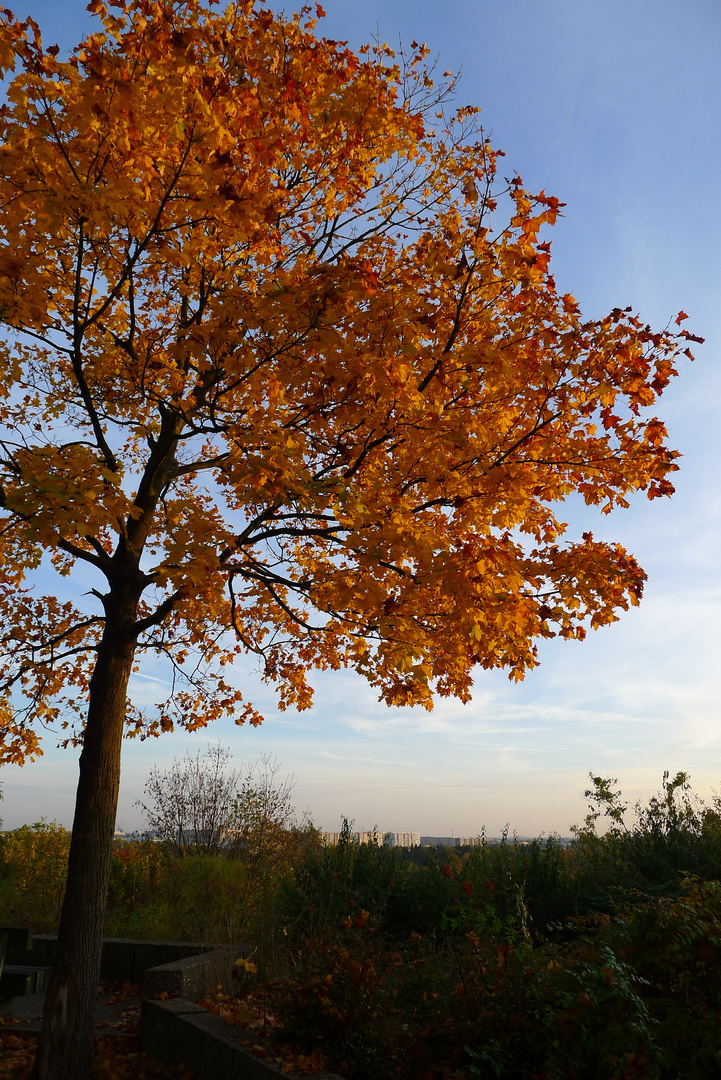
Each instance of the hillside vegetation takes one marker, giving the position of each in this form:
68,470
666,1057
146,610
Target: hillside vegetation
599,959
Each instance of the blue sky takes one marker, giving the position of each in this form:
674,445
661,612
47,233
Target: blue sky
616,109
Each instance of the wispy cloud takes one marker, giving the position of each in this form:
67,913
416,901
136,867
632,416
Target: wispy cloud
392,762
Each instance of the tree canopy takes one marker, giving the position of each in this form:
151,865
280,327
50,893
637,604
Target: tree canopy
285,352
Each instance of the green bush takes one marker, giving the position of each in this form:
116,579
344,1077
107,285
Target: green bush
33,869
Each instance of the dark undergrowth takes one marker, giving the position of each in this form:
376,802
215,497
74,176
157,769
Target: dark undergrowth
598,960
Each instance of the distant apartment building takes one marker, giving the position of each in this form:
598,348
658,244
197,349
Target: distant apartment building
390,839
402,839
373,837
450,841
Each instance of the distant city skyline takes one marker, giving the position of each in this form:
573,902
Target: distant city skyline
374,836
614,108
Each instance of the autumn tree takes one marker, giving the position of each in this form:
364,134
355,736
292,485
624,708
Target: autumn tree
285,373
204,805
191,806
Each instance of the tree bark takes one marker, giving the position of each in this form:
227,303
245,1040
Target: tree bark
66,1044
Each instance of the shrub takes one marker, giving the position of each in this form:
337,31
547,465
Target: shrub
33,866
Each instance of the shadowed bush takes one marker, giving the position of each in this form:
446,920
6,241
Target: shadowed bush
600,960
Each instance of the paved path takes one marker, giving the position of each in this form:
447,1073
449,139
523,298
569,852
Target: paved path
117,1011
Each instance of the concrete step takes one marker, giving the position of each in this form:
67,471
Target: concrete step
20,980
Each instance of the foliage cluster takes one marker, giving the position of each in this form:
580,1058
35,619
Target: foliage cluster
634,994
289,289
153,892
203,805
33,868
600,959
596,960
227,837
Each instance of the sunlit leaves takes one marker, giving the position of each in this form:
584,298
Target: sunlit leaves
290,375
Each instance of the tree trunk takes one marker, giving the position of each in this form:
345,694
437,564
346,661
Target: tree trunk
66,1044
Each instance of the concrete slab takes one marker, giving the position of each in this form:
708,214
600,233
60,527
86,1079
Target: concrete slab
181,1033
123,959
165,1034
116,1012
191,977
174,1030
